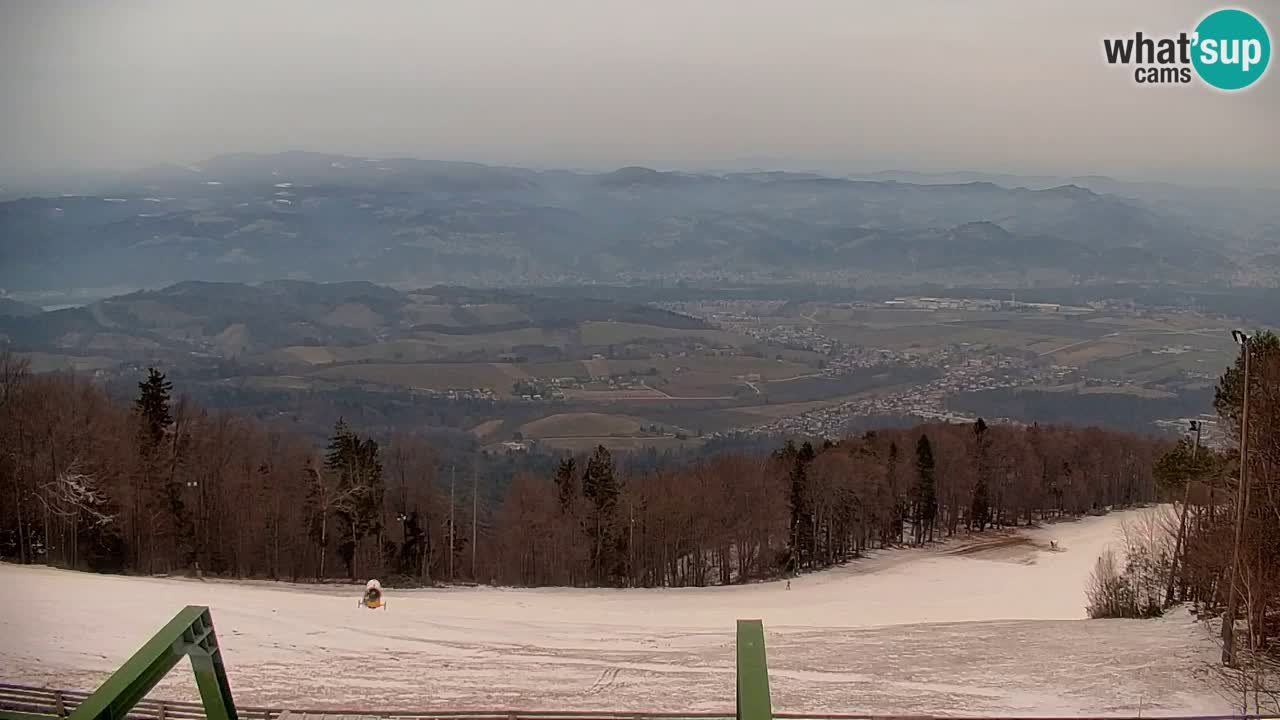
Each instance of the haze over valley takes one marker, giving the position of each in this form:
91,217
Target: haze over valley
413,223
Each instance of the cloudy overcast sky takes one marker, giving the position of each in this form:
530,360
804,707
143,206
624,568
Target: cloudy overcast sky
839,85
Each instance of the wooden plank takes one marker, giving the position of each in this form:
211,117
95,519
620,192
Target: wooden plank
27,706
17,715
27,692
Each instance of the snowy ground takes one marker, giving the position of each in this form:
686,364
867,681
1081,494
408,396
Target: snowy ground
995,629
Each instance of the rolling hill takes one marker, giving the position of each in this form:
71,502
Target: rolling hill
237,320
251,218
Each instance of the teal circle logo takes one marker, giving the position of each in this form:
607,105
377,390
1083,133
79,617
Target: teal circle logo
1232,49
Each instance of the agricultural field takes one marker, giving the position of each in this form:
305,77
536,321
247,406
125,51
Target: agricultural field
571,425
488,428
611,396
760,373
617,333
586,444
404,350
720,367
425,376
52,362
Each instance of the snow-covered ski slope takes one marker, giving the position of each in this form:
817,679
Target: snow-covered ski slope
952,629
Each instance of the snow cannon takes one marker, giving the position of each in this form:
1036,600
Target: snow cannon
373,596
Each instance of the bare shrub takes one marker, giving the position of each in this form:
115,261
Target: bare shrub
1132,587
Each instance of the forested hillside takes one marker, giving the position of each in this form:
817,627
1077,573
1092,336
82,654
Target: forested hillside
166,487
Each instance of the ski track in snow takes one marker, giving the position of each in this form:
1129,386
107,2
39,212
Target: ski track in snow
996,629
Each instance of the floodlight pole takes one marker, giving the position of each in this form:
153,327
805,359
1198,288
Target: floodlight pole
1242,510
1182,521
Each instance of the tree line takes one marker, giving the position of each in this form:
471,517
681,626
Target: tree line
161,485
1222,545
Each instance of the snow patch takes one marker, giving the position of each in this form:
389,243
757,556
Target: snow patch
995,631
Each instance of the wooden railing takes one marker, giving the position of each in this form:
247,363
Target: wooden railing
60,703
50,703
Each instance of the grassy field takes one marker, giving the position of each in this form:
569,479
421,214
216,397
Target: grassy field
496,314
499,342
1080,354
282,382
928,338
702,385
781,410
566,369
488,428
740,365
604,396
512,371
426,376
1109,345
583,424
586,444
354,315
394,351
429,314
1134,390
616,333
1148,367
51,362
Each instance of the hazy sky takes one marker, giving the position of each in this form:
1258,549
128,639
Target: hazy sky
840,85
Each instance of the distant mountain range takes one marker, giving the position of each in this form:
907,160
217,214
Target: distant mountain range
248,218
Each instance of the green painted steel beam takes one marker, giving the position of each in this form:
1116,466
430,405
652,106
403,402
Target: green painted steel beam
753,673
189,633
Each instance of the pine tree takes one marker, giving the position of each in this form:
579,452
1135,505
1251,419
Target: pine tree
157,503
566,473
801,521
358,501
926,495
980,509
152,405
901,504
600,487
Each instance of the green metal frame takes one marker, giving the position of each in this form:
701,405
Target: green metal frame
753,673
190,634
